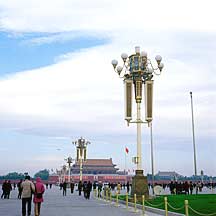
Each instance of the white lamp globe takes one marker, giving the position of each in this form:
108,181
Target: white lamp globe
124,56
143,54
119,69
158,58
114,63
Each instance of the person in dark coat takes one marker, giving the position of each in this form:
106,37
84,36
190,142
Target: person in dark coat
186,187
8,189
72,187
4,190
94,186
64,186
128,187
85,189
191,187
19,189
80,187
172,187
61,186
89,188
100,185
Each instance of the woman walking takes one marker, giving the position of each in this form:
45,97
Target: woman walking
38,195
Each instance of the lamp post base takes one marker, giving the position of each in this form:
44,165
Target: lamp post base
139,185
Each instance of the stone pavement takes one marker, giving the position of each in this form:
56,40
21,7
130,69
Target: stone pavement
71,205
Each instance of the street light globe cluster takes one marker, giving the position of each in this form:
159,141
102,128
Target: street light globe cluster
81,146
138,65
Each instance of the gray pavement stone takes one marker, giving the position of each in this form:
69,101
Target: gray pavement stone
71,205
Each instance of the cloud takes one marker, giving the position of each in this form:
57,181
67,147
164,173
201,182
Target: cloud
68,15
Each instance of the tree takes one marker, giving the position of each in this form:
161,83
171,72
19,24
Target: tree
13,176
43,174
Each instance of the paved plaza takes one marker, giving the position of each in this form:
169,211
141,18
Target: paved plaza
57,205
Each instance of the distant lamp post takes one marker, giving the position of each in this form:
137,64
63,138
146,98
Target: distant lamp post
58,172
81,146
69,161
137,70
64,169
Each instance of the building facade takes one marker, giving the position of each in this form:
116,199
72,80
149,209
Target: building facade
95,167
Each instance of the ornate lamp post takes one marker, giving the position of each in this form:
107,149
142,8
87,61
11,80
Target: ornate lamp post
137,70
81,146
64,169
58,172
69,160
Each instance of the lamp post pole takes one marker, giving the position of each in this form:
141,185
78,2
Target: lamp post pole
152,158
137,70
139,144
69,161
58,172
64,171
81,146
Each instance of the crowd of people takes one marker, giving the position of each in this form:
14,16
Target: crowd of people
26,191
185,187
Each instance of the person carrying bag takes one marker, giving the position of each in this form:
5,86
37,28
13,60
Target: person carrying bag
38,195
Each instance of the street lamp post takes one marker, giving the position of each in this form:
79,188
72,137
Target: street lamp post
81,146
69,160
137,70
58,172
64,169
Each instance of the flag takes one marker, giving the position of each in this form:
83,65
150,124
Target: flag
126,150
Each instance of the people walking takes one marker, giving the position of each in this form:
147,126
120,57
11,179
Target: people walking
89,189
27,189
8,189
80,187
100,185
128,187
19,188
191,187
4,185
64,186
72,187
85,189
38,195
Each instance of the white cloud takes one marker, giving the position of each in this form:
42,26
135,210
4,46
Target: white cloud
67,15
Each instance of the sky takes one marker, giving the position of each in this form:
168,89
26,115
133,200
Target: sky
57,82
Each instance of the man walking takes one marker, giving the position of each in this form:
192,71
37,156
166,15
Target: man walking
4,185
19,189
8,189
27,189
64,188
89,188
80,187
72,187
